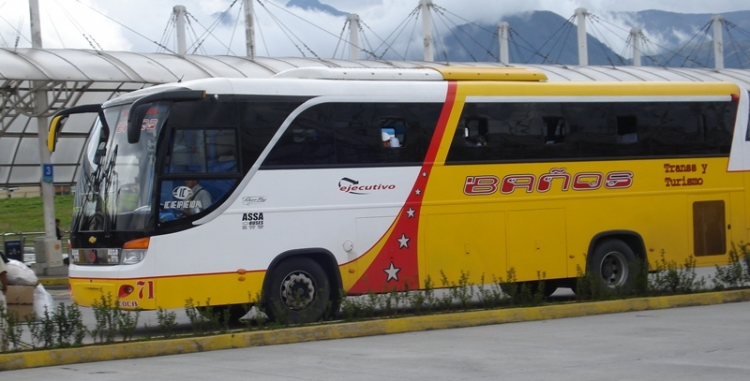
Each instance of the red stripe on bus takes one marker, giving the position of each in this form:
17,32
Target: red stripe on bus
395,267
450,99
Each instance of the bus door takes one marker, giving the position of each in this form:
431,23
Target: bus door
710,226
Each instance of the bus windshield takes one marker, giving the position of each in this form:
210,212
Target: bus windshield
114,191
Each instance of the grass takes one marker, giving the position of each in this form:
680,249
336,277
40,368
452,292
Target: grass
27,214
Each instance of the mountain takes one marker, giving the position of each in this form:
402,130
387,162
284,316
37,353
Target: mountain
672,28
536,37
673,39
315,5
685,40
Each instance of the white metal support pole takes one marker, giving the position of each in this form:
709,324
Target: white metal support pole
40,108
717,21
429,49
249,28
180,11
583,48
503,29
635,38
353,20
36,27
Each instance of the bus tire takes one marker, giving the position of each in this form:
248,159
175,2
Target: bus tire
298,292
612,261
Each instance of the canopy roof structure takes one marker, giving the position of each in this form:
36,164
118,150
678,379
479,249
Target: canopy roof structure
75,77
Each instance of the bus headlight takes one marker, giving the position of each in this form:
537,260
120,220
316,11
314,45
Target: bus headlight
133,256
134,251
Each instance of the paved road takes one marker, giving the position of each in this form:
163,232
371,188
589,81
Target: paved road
695,343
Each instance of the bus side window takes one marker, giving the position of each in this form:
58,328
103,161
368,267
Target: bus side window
259,122
392,132
555,129
307,141
627,129
475,131
221,151
187,152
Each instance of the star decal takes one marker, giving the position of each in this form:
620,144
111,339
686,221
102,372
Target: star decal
392,273
403,242
418,192
424,174
410,213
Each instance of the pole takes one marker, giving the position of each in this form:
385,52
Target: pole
249,28
429,50
353,20
40,107
180,11
503,29
635,35
583,48
717,22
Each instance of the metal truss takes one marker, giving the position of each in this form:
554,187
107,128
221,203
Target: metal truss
17,98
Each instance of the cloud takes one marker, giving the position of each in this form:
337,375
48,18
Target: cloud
141,25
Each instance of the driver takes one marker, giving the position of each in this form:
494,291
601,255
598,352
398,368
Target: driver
200,195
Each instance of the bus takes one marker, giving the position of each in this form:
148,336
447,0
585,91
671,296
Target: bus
321,183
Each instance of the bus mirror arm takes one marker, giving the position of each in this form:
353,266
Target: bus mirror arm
58,121
139,108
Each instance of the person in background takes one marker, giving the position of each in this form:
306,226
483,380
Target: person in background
200,195
3,275
4,281
58,232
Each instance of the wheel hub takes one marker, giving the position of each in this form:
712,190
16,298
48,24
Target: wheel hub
614,269
298,291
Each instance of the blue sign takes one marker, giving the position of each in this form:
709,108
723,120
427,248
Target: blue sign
14,250
48,173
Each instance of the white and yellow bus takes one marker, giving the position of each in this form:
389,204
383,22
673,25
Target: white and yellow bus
320,183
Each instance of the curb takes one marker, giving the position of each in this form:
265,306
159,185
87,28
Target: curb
53,281
131,350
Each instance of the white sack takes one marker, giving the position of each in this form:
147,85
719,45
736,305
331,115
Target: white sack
42,301
20,275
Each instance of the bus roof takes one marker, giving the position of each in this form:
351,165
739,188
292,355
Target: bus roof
452,73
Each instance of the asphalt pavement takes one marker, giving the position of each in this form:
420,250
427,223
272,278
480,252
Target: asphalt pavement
689,343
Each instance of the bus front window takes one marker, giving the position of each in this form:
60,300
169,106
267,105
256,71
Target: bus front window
115,188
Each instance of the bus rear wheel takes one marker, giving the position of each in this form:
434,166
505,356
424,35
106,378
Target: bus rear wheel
611,262
299,292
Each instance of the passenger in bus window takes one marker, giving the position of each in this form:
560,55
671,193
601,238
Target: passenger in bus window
475,141
627,129
395,143
389,141
199,198
386,139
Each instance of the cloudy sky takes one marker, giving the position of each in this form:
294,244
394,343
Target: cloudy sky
134,25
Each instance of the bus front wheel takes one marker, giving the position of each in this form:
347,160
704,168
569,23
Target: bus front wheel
611,262
298,292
